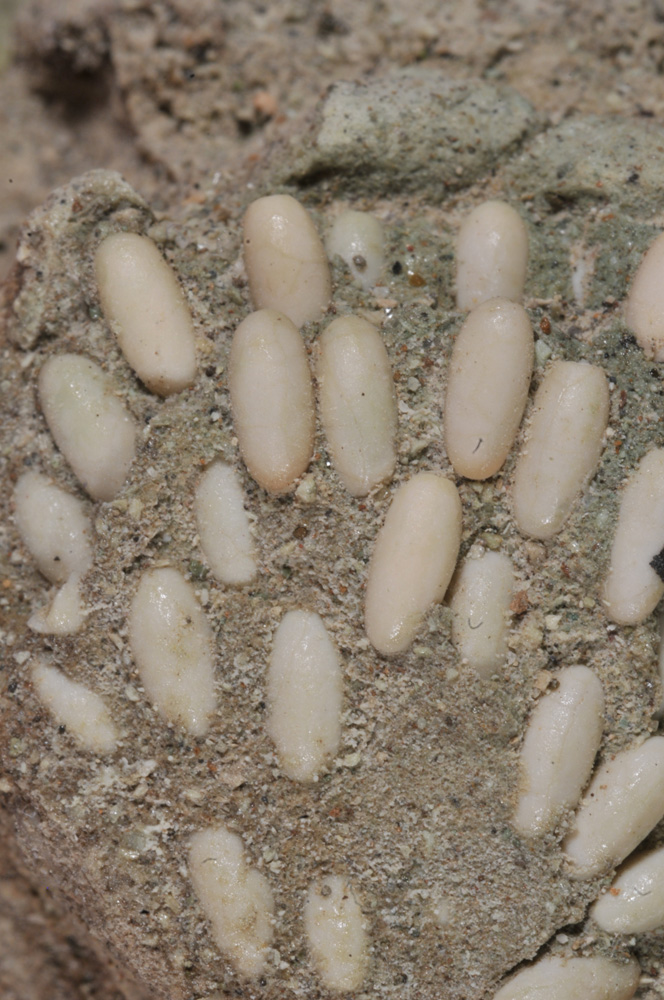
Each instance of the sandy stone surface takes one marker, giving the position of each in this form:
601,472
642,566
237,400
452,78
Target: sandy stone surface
173,94
200,107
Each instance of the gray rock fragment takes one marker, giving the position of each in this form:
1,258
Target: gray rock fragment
414,130
593,159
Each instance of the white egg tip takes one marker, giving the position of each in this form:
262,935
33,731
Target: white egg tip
90,424
173,647
146,309
337,934
285,260
304,687
236,898
272,399
73,705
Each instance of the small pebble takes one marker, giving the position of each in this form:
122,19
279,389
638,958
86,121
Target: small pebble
357,237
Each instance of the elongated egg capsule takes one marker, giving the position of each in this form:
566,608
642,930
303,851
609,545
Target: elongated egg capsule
481,593
561,742
621,805
357,403
562,448
172,644
272,399
492,255
285,259
487,387
223,525
145,308
633,586
634,903
54,526
336,932
358,239
554,978
236,898
90,425
644,308
413,560
75,706
304,688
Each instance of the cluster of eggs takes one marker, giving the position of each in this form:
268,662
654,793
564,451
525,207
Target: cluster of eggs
414,558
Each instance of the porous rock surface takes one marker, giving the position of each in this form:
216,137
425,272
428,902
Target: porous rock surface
416,807
410,131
